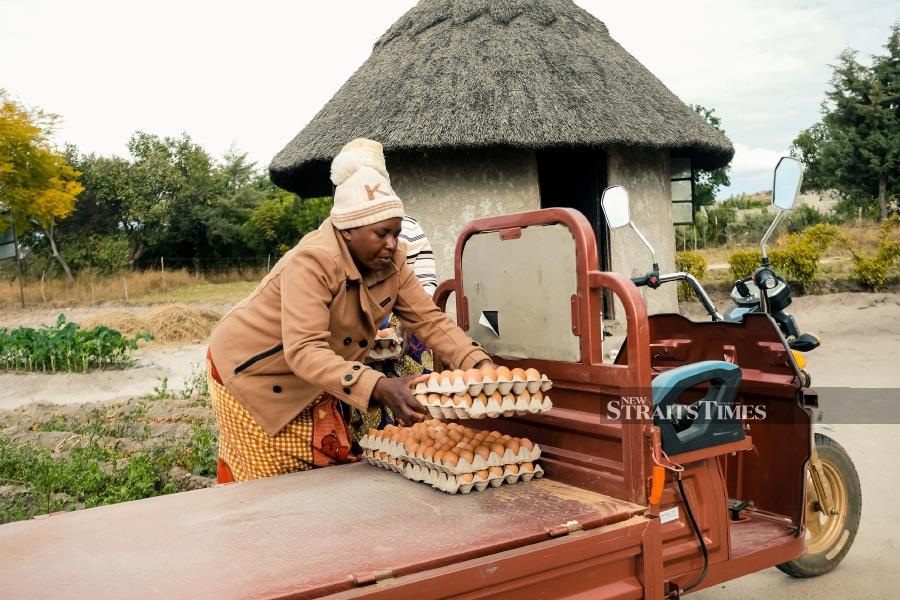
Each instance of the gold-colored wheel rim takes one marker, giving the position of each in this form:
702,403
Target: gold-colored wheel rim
824,530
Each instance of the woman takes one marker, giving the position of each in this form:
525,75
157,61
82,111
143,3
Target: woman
284,358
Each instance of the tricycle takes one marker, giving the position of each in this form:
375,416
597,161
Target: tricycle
687,462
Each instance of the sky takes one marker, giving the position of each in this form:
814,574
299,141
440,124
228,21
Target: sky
250,75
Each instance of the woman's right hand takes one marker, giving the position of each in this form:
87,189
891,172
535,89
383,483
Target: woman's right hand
394,393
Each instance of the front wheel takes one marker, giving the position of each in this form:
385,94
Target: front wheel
829,535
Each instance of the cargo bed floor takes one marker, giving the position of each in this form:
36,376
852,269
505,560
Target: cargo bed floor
307,534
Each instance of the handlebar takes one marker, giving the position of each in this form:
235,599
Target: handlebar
653,280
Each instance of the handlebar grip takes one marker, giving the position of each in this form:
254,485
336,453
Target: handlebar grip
639,281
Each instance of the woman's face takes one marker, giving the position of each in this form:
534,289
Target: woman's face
373,246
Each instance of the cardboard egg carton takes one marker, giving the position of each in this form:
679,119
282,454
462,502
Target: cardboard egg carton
479,463
465,406
380,444
479,481
383,460
483,381
387,345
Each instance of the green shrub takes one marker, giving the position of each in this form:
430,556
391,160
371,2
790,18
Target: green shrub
742,263
872,270
101,253
803,217
693,263
798,259
65,347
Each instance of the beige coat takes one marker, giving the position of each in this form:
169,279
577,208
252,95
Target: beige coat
308,325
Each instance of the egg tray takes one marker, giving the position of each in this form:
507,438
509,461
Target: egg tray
464,406
397,450
447,482
387,346
450,383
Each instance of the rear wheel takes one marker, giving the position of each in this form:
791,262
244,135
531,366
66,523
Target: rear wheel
829,535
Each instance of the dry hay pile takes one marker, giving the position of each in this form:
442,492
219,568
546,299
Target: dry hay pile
180,323
124,322
168,325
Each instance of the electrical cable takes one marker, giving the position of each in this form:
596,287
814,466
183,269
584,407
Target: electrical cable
698,533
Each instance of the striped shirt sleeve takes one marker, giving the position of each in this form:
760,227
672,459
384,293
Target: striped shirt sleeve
419,255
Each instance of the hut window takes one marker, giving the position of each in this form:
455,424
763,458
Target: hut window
682,191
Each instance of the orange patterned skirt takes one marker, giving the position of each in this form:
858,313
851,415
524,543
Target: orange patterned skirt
317,437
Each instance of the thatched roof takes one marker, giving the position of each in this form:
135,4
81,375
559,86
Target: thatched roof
513,73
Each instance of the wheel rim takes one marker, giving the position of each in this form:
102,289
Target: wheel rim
824,530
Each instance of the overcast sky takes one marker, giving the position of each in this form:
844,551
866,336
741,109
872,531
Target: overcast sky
253,74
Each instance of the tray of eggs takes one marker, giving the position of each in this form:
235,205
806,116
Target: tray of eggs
451,457
479,393
387,345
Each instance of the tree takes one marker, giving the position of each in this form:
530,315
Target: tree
37,184
855,148
708,183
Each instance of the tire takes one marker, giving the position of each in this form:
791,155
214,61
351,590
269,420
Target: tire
829,541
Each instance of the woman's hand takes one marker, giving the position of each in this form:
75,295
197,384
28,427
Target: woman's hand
394,393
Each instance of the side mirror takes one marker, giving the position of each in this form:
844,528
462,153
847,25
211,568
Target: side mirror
615,206
788,177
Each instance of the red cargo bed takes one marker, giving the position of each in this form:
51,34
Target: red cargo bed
298,536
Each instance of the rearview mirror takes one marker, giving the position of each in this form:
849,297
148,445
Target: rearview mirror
615,206
788,177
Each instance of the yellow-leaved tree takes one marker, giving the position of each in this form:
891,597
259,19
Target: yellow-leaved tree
37,186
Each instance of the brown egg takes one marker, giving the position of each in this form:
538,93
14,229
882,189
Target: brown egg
496,397
480,398
372,432
465,478
498,449
433,399
412,448
505,437
455,435
483,451
482,474
526,467
513,445
466,455
451,459
428,453
526,443
496,471
494,435
438,456
532,374
513,468
518,374
473,376
503,374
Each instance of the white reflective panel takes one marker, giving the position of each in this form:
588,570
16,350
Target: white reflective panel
681,168
615,207
788,177
681,191
525,287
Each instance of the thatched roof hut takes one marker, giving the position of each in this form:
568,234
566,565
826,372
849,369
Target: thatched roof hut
488,107
524,74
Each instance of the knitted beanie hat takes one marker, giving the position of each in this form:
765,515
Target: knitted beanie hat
363,194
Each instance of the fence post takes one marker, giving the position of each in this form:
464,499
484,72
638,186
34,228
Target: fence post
125,285
162,267
268,263
43,295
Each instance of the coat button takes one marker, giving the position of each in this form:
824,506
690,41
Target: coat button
363,343
474,343
347,341
348,377
276,389
346,390
356,367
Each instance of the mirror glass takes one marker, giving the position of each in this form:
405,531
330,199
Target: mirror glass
788,177
615,206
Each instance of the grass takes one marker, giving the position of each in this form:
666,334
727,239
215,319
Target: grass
139,287
80,457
